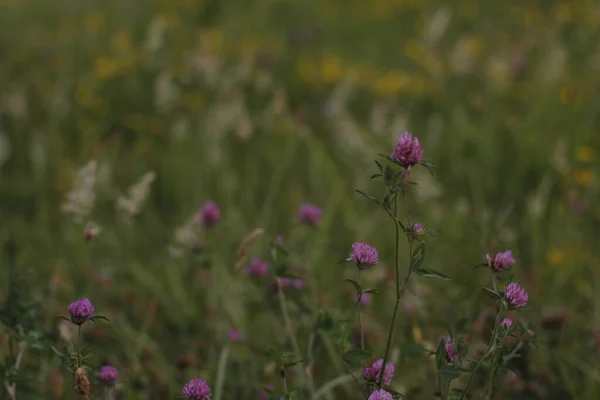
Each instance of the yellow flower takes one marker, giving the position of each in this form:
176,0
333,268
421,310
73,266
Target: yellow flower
307,70
584,177
391,83
555,257
106,67
121,42
331,69
585,154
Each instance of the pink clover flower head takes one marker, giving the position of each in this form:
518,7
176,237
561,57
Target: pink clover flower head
210,214
109,375
196,389
506,323
364,299
309,214
298,283
81,310
372,373
451,353
235,336
380,394
500,261
408,151
515,295
363,255
258,267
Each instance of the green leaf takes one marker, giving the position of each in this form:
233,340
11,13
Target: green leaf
412,349
482,265
356,285
99,317
57,351
491,293
368,197
272,352
418,256
374,291
355,357
449,372
375,176
431,273
429,166
293,363
379,166
440,354
324,321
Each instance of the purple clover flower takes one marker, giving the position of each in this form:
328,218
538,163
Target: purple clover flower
380,394
364,299
363,255
258,267
372,373
515,295
451,353
298,283
109,375
210,214
309,214
408,151
81,310
500,261
506,323
196,389
235,336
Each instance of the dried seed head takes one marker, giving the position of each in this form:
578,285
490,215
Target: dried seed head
82,383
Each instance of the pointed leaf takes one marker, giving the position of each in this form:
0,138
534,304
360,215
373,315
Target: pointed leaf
379,166
355,357
449,372
373,291
481,265
491,293
368,197
375,176
418,256
100,317
292,363
356,285
431,273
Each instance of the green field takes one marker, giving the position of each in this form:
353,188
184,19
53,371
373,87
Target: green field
262,106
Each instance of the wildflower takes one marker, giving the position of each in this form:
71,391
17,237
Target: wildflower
210,214
258,267
81,310
309,214
500,261
196,389
515,295
82,383
372,373
408,151
415,231
506,323
109,375
235,335
363,255
380,395
137,194
364,299
451,353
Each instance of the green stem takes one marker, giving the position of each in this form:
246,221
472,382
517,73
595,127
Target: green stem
283,381
399,290
485,355
292,337
221,372
356,379
358,305
78,348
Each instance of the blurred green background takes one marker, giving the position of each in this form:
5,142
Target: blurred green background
262,106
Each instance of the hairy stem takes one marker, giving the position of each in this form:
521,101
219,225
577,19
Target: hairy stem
358,305
400,289
488,352
78,348
292,337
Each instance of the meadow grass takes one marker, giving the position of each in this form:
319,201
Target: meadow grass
262,107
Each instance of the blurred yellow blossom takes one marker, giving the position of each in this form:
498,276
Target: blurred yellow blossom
307,70
105,67
391,83
583,287
331,69
585,154
584,177
121,42
555,257
567,94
